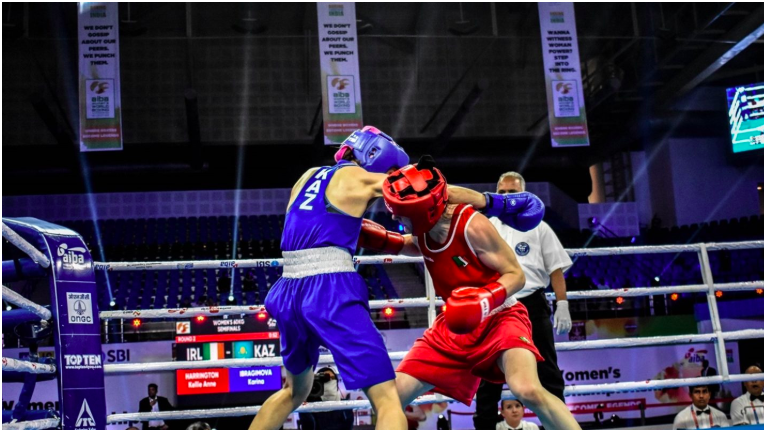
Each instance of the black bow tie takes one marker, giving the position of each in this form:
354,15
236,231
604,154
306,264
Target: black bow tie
752,397
706,411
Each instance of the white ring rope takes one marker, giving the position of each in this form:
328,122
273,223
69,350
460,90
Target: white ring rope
33,425
33,253
27,366
226,363
363,404
396,356
243,310
21,301
424,301
388,259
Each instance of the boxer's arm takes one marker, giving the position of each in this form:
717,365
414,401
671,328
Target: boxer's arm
459,195
411,248
495,253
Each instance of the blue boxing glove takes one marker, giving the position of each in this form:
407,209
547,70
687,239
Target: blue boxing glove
521,211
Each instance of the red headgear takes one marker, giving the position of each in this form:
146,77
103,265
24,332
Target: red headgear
419,195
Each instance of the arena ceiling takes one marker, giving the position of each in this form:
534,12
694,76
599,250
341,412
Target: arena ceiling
650,69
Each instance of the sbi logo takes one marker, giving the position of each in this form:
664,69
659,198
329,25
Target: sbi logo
118,356
522,249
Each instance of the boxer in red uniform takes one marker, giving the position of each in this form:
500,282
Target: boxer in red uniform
484,332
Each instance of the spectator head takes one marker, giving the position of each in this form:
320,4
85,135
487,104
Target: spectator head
199,425
512,412
153,390
700,396
754,387
511,182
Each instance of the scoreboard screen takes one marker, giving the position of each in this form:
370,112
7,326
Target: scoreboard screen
216,339
745,117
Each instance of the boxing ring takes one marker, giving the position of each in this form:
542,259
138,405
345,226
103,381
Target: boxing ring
430,301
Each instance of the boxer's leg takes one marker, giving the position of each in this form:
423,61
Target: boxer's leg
280,405
520,368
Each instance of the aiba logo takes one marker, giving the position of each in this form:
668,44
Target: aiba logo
71,256
85,418
82,361
522,249
229,264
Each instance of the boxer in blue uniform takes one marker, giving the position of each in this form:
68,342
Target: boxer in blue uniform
320,299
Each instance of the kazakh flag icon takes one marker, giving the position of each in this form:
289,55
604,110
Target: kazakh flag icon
243,349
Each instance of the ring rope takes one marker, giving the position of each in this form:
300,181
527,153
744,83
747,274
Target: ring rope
364,404
33,253
424,302
27,366
33,425
387,259
22,302
396,356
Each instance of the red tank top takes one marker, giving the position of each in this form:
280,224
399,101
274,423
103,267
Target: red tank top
454,264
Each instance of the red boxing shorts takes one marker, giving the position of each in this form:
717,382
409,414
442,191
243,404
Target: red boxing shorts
455,364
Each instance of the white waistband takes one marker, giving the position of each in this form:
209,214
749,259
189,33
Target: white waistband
316,261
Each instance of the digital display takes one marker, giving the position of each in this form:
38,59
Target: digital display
745,114
215,339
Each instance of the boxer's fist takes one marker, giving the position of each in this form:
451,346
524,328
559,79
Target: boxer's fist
521,211
375,237
469,306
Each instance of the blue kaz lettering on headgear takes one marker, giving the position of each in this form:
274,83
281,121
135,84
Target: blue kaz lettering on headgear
375,151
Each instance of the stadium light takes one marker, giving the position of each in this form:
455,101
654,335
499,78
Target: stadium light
201,318
758,291
619,300
136,323
388,312
718,293
262,315
674,296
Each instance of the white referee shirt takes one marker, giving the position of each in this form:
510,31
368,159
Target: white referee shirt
538,251
525,425
743,410
687,419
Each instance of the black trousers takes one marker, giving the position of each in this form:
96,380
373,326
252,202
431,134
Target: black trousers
488,395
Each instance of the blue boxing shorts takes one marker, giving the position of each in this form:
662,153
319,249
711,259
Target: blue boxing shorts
331,310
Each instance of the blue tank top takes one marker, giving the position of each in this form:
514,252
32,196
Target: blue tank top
312,221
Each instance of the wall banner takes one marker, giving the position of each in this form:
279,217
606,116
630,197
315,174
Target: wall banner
100,101
340,86
563,77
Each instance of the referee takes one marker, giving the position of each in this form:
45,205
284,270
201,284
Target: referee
544,260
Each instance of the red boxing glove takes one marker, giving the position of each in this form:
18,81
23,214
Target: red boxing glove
375,237
469,306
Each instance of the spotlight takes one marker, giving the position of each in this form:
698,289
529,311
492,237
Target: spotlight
262,315
388,312
136,323
674,296
231,299
201,318
619,300
656,278
112,303
8,308
718,293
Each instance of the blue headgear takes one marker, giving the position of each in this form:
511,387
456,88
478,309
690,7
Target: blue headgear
375,151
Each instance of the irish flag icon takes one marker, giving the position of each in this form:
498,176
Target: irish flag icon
213,351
